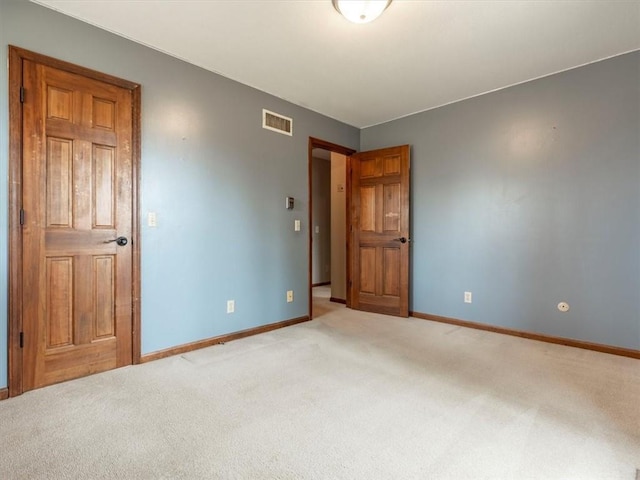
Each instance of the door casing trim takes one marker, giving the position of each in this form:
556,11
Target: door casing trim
332,147
16,57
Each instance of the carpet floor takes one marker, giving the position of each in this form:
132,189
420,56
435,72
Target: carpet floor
349,395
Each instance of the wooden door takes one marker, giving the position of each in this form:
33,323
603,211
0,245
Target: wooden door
380,231
77,197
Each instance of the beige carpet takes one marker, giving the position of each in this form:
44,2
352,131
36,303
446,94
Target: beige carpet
347,396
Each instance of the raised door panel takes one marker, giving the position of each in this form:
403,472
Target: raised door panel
59,103
368,208
392,165
391,207
104,296
391,272
370,167
103,204
59,181
103,113
367,270
59,298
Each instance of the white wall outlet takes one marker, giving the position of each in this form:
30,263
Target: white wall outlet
289,296
468,297
563,306
296,225
231,306
152,220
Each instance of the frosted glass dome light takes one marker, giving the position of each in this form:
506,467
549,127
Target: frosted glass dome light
361,11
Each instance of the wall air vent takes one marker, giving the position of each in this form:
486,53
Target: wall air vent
277,123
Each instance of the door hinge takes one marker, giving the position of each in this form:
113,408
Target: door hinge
21,94
21,339
21,216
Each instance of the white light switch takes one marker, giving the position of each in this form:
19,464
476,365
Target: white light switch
152,220
296,225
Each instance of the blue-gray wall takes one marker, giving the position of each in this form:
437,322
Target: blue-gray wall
216,179
527,197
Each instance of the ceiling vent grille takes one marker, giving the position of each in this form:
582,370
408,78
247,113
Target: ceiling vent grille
277,123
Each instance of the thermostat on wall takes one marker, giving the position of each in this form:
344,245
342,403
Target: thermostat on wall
289,203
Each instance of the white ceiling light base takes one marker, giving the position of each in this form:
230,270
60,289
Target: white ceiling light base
361,11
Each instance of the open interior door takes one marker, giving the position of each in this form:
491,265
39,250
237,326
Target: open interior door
380,231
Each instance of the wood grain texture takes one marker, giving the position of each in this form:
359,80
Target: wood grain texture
104,113
349,246
66,113
391,209
366,265
104,182
104,297
331,147
598,347
391,271
59,103
379,212
208,342
59,172
4,393
21,53
59,302
368,208
68,320
15,230
136,152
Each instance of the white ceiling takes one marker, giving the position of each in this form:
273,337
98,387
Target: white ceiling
417,56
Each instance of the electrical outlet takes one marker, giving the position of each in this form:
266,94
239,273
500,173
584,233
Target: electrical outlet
468,297
296,225
289,296
231,306
152,220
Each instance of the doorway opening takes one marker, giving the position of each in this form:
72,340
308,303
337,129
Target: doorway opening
329,271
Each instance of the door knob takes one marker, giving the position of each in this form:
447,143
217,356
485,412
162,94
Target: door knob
401,240
122,241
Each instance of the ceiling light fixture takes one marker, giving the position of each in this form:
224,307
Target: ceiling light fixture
361,11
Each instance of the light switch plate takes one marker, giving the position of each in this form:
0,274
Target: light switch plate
296,225
152,220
